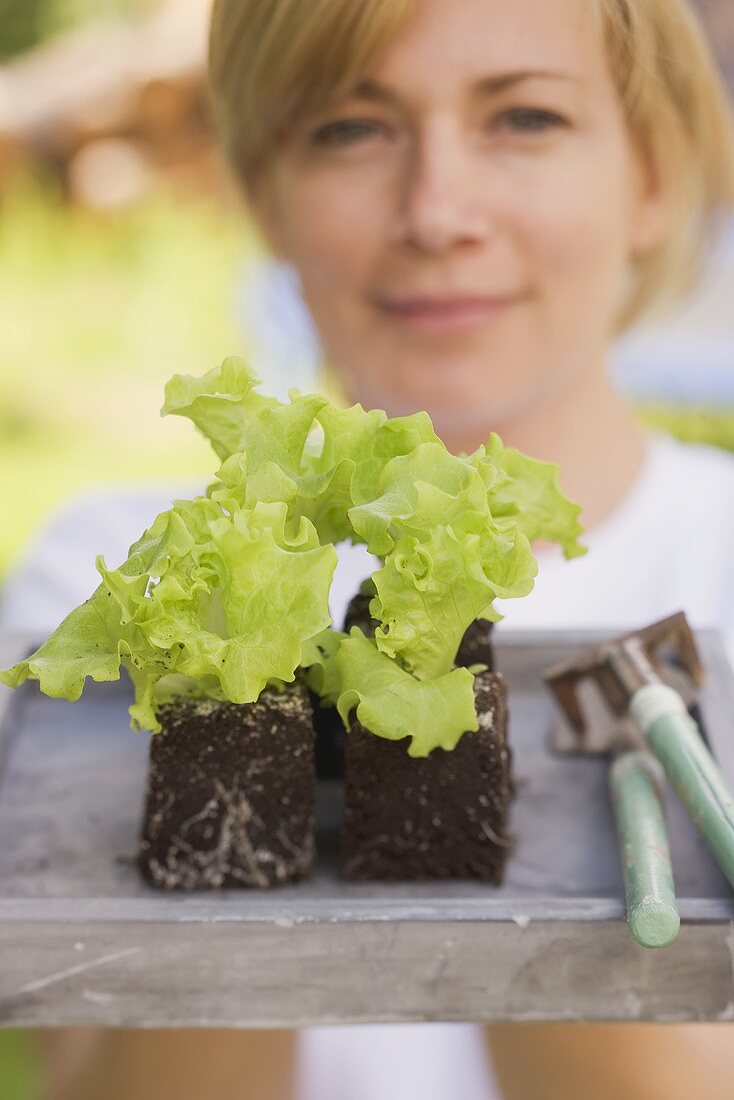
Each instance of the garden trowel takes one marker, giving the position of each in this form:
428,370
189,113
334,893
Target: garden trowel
630,698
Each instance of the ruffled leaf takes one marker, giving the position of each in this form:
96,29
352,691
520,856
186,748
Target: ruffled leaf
418,491
393,704
219,403
525,494
429,592
207,603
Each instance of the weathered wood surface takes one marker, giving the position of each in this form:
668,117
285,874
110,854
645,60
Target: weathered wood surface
83,940
266,974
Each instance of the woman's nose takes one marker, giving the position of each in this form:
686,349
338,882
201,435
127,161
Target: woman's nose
440,204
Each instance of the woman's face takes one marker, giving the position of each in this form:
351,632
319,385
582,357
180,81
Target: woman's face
463,222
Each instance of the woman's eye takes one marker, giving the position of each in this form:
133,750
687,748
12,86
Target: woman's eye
345,132
531,120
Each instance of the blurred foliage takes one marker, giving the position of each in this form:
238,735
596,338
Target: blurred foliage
96,312
20,1073
27,23
693,423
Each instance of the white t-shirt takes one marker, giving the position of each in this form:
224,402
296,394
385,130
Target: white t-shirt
668,546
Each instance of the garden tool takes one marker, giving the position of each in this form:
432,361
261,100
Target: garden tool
630,697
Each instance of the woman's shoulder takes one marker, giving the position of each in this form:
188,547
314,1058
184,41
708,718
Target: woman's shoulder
682,490
694,463
692,480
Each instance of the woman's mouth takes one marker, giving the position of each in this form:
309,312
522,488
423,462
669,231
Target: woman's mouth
444,315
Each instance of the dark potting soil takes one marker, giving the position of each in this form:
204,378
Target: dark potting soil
476,646
330,740
231,793
442,816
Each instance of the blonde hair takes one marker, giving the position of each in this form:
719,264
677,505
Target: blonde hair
274,62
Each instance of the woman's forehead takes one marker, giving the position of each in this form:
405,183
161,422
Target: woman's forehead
482,46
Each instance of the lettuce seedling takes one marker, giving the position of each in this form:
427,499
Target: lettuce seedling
229,592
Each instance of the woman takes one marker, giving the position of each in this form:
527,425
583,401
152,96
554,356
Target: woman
472,227
478,197
509,187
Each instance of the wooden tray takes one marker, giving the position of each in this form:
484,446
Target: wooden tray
84,941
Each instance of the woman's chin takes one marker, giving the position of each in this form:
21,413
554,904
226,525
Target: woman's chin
454,391
451,415
444,394
461,418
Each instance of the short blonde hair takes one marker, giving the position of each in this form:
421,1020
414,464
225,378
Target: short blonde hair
274,62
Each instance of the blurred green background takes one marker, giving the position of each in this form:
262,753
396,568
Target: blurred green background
96,313
121,245
28,23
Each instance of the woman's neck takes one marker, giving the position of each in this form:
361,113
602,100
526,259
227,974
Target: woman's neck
589,430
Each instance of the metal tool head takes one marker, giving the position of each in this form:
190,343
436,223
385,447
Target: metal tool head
593,690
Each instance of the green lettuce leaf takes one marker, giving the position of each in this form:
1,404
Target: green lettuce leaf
367,440
525,494
207,603
389,701
96,637
318,458
446,559
417,492
219,403
429,592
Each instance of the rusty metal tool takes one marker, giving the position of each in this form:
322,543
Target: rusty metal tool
630,697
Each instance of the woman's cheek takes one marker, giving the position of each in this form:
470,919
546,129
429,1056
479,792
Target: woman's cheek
333,229
577,240
334,243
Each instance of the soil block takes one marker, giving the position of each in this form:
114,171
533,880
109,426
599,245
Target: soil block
441,816
476,646
231,793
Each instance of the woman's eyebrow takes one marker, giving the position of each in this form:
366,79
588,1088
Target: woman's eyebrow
491,85
488,85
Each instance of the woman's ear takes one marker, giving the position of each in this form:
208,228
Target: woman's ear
651,212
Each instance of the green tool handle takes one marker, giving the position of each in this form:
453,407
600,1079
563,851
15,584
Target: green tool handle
675,739
652,911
